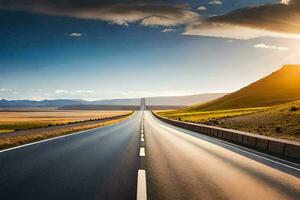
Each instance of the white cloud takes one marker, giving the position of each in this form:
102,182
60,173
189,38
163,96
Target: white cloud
75,92
267,20
139,94
264,46
61,91
37,98
170,20
231,31
5,90
285,1
75,34
120,23
215,2
168,30
201,8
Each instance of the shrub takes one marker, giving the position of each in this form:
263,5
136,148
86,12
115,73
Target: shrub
293,109
278,129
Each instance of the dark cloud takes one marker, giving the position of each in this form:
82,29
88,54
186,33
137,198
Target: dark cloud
148,14
281,19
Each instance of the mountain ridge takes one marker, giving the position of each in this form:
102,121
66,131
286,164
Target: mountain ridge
281,86
155,101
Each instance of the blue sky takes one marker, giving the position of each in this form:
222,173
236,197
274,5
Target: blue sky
45,55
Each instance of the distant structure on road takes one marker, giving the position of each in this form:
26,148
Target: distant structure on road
143,104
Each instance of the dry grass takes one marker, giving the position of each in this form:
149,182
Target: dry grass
19,140
282,121
21,119
204,116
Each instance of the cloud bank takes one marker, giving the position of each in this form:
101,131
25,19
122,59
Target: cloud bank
265,46
118,13
275,20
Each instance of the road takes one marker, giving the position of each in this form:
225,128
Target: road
185,165
123,161
96,164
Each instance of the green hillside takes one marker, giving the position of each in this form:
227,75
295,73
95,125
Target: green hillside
279,87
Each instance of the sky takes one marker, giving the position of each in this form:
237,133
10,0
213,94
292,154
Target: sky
93,49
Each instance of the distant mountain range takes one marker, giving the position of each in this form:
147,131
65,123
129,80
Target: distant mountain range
32,104
281,86
183,100
77,103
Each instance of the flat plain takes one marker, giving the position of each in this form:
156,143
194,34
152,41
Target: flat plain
20,119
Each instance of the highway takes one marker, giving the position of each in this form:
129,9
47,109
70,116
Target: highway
182,164
97,164
143,158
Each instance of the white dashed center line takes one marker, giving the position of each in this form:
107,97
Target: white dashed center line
141,193
142,152
141,186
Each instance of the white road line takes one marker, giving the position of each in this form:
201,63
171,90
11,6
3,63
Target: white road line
142,152
142,136
232,146
142,140
141,193
259,154
142,131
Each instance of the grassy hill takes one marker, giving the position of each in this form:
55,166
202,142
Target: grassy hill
270,106
281,86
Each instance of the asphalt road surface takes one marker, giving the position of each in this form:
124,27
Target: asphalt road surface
185,165
144,157
98,164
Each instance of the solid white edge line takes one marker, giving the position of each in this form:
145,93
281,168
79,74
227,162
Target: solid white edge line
268,159
241,148
141,193
231,145
54,138
142,152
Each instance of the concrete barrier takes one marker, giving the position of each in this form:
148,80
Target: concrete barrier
257,142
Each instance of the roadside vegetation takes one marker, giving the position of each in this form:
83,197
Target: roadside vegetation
281,121
205,116
47,133
22,119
